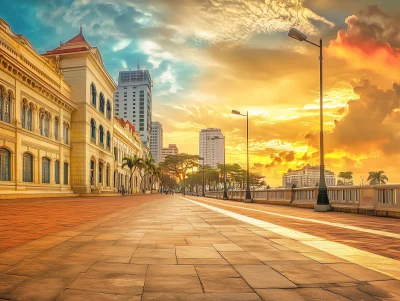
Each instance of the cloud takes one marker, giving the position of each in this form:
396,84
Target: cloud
122,44
370,41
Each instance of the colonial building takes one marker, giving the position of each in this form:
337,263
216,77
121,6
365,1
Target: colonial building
35,119
307,176
127,143
56,119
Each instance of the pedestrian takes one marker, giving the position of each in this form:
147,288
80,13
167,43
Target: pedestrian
123,190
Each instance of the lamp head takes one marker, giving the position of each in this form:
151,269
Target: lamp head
235,112
297,34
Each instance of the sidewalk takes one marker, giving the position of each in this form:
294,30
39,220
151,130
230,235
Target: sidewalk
172,249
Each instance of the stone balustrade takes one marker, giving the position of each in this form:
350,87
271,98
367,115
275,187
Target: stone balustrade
367,199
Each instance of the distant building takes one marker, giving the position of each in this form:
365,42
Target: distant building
211,146
307,176
133,101
171,150
156,141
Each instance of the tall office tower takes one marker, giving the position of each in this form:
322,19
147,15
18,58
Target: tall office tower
156,141
171,150
211,146
133,101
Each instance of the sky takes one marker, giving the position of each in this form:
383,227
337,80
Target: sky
208,57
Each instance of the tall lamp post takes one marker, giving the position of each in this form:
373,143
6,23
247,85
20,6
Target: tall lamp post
248,194
225,196
323,200
202,189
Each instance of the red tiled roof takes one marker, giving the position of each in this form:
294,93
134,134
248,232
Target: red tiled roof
66,50
123,123
77,39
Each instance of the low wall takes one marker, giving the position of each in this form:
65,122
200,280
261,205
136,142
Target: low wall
380,200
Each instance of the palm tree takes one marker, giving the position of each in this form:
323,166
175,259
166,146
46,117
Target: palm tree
149,167
377,177
133,163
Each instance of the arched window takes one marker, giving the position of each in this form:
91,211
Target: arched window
108,110
66,132
101,135
57,172
27,166
5,165
108,142
100,172
29,121
101,107
56,126
94,94
5,106
93,130
115,153
92,164
46,170
107,176
44,123
65,173
24,110
1,104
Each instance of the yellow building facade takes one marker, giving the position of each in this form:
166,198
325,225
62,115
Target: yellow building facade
57,119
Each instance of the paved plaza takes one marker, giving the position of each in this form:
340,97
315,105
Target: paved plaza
172,248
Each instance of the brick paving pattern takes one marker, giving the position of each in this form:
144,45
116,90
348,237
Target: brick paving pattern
27,219
166,248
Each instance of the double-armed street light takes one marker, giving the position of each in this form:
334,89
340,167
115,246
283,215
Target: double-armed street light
247,199
225,196
323,200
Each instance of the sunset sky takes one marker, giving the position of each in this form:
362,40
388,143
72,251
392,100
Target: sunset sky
208,57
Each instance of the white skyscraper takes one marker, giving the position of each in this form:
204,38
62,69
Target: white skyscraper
212,150
133,101
156,141
171,150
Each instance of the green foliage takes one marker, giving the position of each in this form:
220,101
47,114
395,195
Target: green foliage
345,178
377,177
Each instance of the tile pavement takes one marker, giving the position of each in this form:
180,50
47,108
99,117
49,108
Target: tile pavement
167,248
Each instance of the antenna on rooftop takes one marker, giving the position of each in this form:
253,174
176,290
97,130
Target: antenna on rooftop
138,66
80,26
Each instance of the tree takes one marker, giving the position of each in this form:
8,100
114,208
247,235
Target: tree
133,163
178,165
346,178
149,168
377,177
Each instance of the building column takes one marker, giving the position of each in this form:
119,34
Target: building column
35,119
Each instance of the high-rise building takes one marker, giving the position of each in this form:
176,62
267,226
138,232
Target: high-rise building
307,176
171,150
156,141
133,101
211,146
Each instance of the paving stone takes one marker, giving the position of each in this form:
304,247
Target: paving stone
352,293
171,270
240,258
358,272
200,297
111,258
124,284
216,272
323,257
299,294
103,268
197,261
39,289
227,247
278,255
196,252
156,253
383,289
173,284
152,260
81,295
9,282
310,273
261,276
225,285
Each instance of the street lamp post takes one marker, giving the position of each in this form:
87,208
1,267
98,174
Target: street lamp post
248,194
202,193
225,196
323,200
